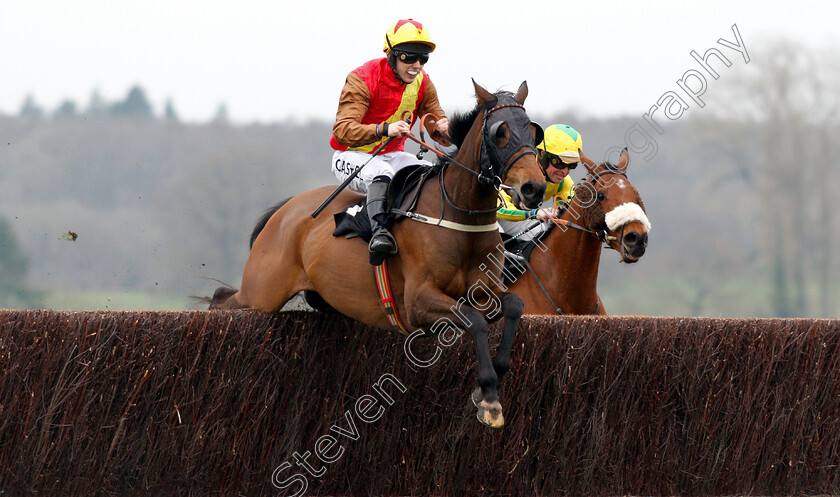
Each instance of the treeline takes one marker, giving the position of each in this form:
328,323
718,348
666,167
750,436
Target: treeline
135,105
160,205
156,204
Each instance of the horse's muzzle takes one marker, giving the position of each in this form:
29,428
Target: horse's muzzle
634,244
532,193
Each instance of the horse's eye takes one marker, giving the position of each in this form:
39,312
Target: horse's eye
601,196
499,133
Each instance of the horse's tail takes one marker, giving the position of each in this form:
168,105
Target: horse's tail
219,297
264,219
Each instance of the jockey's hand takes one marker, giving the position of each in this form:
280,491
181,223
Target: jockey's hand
441,131
442,125
398,128
545,214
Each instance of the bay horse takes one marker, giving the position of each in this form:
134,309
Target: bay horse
436,266
606,208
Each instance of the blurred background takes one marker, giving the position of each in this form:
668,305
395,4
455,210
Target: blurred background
139,143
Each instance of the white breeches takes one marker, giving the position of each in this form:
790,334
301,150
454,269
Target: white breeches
344,163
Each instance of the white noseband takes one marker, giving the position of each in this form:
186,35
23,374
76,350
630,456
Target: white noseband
626,213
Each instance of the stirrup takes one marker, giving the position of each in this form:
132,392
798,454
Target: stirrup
377,255
515,258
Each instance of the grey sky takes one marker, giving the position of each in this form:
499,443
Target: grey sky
272,60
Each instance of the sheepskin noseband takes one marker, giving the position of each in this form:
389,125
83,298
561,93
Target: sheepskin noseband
626,213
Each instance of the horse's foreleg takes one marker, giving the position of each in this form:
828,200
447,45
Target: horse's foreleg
512,308
487,377
489,407
430,305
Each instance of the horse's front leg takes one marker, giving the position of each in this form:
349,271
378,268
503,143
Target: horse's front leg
489,407
430,306
512,308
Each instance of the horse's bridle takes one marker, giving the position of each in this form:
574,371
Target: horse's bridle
517,146
593,178
495,161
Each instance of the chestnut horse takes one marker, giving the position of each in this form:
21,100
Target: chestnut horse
607,209
437,266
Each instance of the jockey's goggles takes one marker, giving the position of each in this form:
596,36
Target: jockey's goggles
411,58
549,159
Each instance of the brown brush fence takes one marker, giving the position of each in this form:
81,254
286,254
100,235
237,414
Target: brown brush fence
217,403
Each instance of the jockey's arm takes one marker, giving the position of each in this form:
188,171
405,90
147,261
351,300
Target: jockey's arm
509,212
352,107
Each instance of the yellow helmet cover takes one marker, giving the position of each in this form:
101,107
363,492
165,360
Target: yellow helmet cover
563,141
407,31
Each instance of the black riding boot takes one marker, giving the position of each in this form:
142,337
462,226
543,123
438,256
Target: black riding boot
382,244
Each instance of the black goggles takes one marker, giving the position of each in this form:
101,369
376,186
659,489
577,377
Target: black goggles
552,160
411,58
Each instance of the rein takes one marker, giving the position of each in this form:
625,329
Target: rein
602,235
495,180
448,159
486,176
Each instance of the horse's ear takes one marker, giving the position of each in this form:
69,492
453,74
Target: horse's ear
588,163
483,95
624,160
522,92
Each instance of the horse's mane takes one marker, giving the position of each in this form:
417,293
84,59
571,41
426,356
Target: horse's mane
460,124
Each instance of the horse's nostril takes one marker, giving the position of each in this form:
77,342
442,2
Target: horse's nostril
532,193
528,189
631,238
644,239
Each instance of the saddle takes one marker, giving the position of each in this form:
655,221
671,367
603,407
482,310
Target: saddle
403,194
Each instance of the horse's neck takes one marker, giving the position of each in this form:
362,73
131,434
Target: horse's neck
569,266
466,193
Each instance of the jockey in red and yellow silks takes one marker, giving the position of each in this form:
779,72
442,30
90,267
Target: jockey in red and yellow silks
389,100
376,101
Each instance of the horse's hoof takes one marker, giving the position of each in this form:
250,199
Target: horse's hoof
490,414
476,396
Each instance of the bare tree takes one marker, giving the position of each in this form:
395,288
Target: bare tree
785,96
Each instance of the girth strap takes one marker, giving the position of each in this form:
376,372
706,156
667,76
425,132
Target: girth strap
386,296
443,223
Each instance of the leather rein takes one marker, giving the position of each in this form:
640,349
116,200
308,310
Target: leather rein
487,175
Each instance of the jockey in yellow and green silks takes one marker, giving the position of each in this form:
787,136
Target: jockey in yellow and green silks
558,153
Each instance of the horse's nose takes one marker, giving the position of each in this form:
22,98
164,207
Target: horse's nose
532,193
636,243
